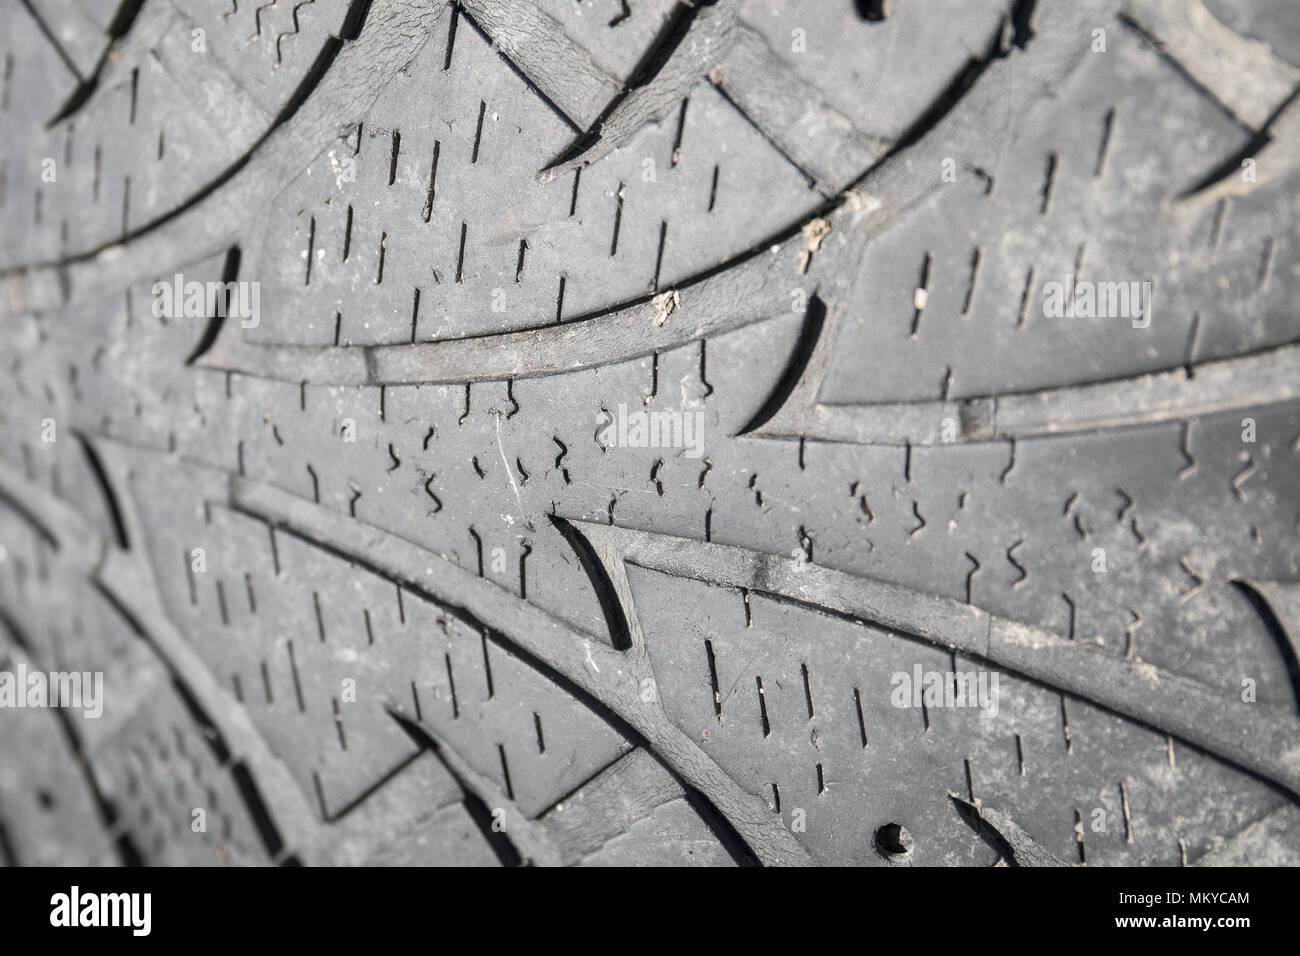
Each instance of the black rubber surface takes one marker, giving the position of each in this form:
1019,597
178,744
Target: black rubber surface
631,426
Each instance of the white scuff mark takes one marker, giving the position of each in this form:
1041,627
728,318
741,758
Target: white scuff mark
860,205
586,646
509,474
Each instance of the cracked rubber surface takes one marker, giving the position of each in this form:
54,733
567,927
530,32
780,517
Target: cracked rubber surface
378,579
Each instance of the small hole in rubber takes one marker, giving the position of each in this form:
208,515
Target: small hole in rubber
870,10
893,840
